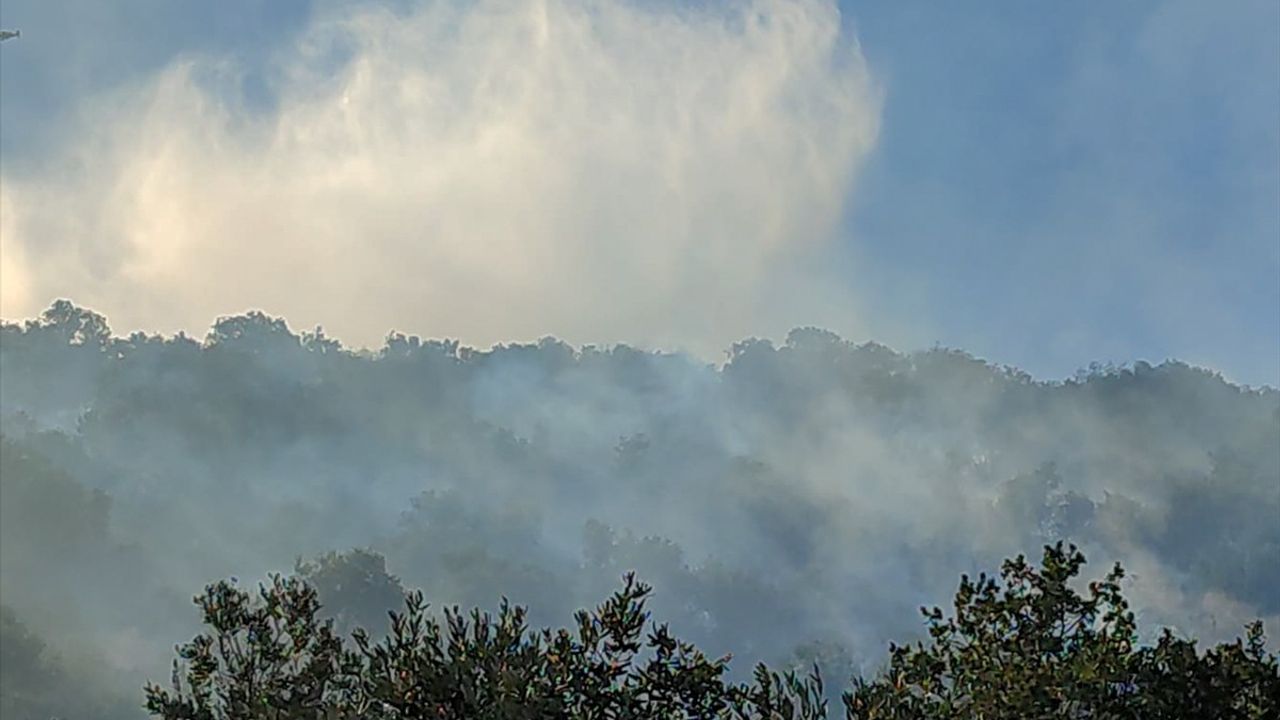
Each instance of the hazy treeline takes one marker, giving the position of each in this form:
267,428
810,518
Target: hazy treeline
797,501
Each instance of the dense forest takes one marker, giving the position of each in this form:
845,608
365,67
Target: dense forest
792,504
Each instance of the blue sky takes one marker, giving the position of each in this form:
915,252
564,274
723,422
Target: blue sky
1050,184
1102,178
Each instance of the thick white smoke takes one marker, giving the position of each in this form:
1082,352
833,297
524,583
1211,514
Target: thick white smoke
599,170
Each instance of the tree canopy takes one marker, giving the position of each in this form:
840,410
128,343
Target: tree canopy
1021,646
787,502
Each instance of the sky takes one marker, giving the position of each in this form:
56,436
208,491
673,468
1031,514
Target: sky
1042,185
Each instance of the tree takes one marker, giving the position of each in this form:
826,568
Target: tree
271,658
35,684
29,681
355,586
1032,647
1026,646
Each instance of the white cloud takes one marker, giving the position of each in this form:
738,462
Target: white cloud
598,170
14,292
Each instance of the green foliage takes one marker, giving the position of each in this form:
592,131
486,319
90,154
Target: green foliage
272,658
1031,646
354,587
1025,646
268,659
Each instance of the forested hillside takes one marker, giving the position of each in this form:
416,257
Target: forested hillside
794,502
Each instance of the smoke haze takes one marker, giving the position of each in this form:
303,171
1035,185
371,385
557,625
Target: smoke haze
603,236
482,171
800,500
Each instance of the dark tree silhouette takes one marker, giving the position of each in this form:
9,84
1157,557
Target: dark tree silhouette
1030,646
1025,646
273,658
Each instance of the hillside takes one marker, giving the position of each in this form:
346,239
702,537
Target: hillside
796,500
